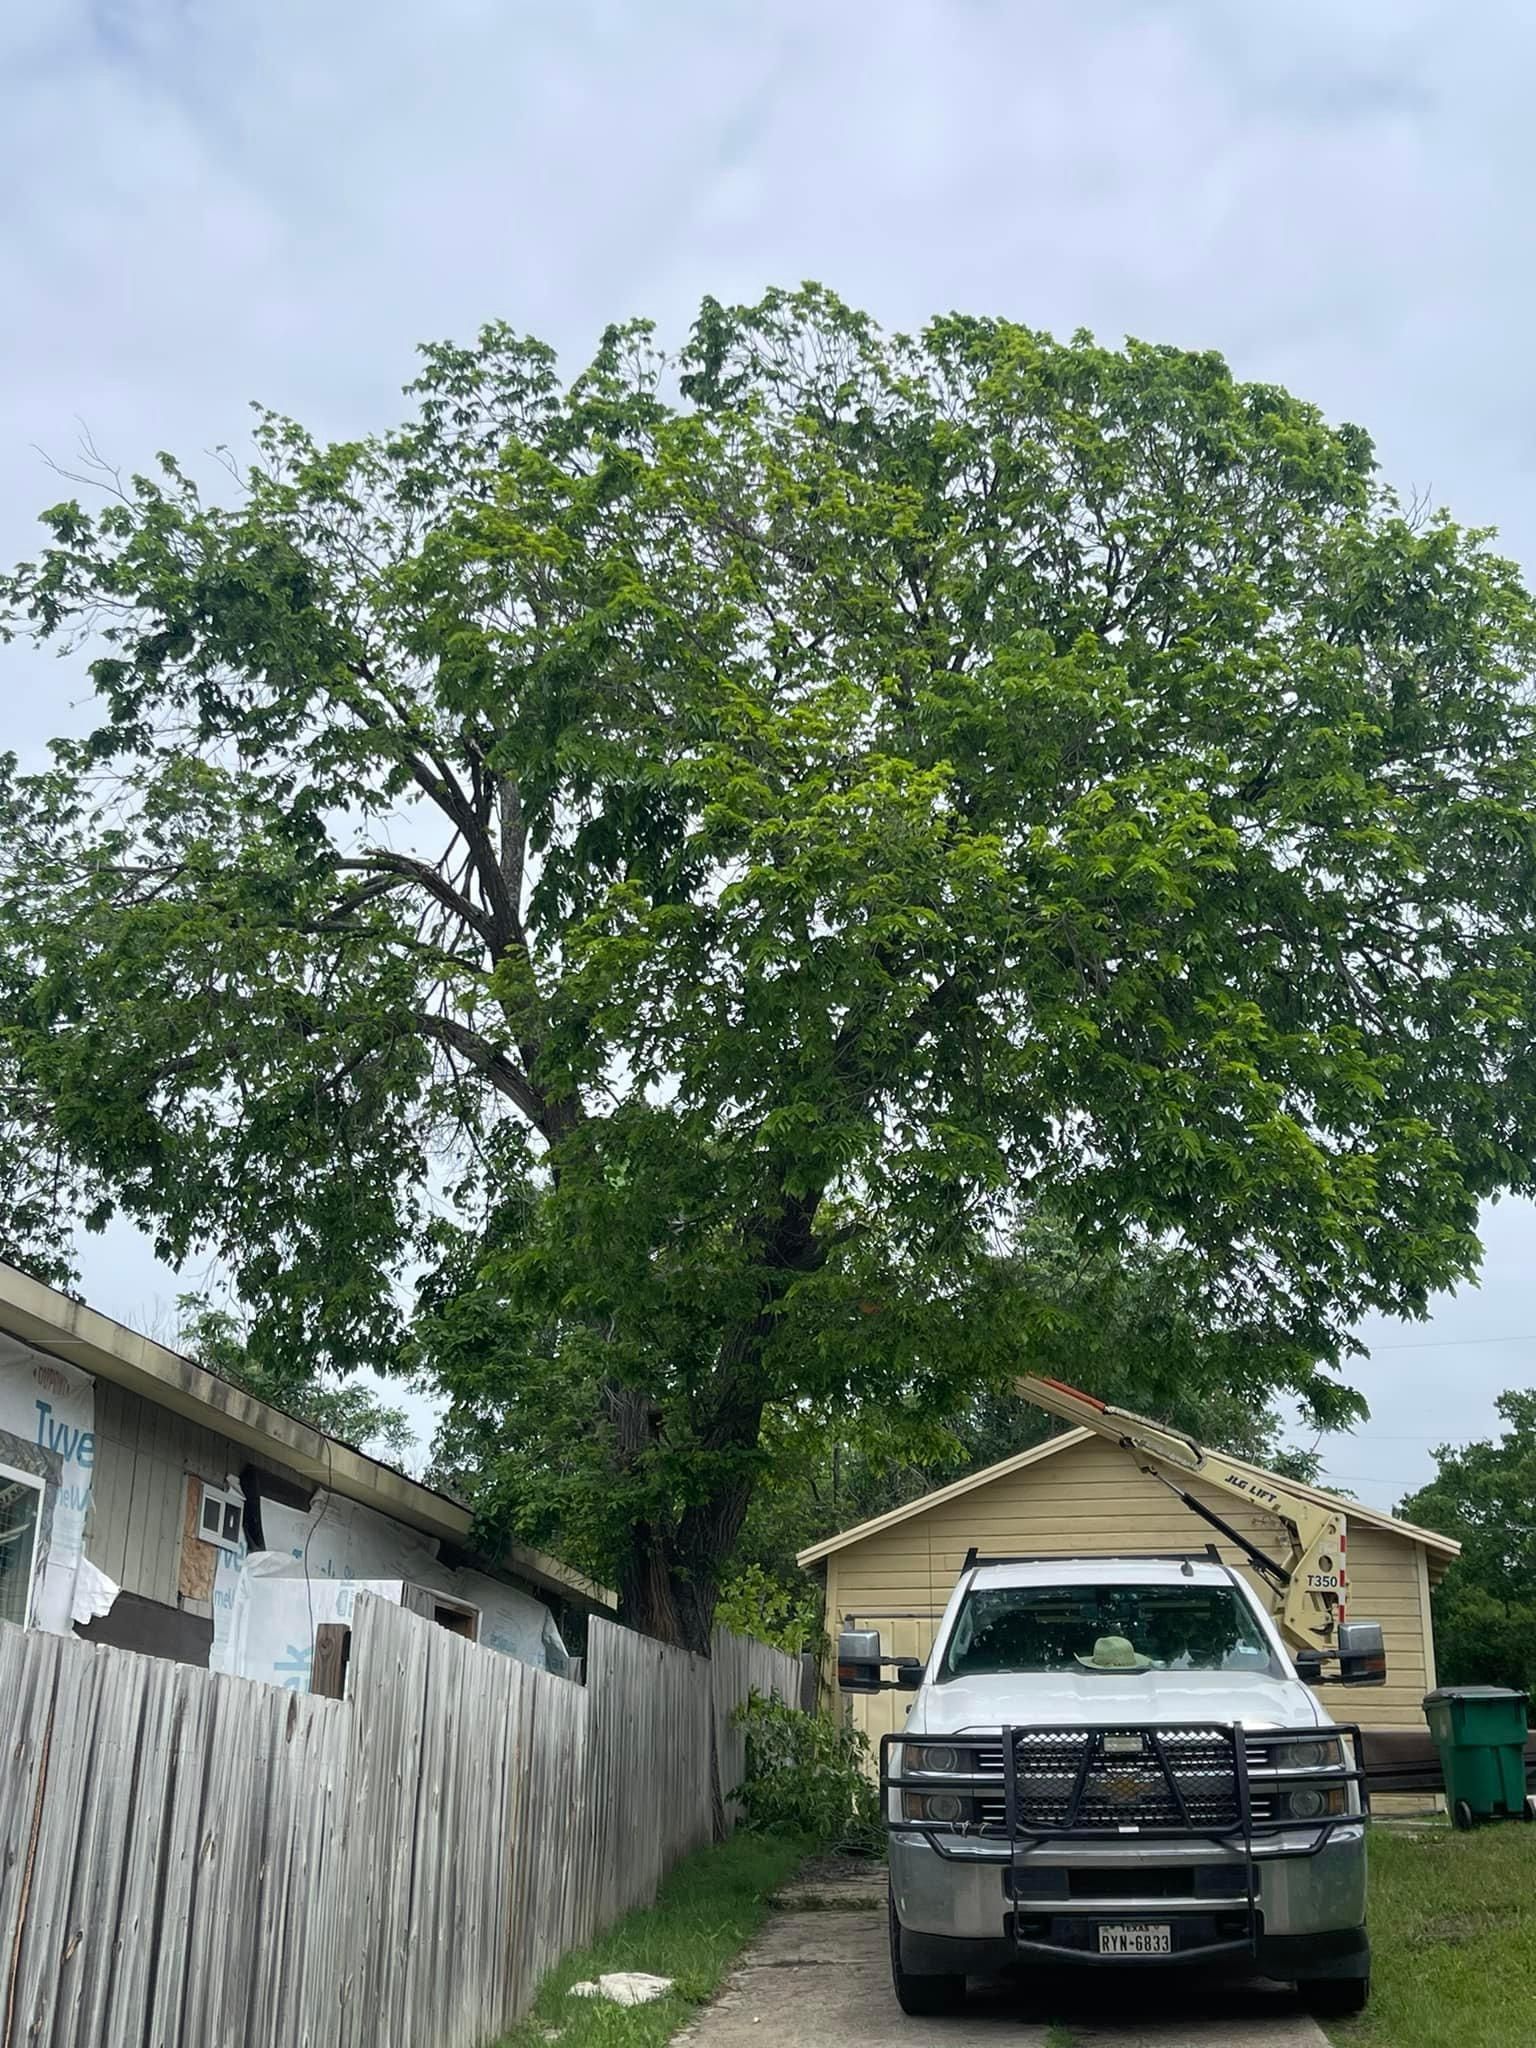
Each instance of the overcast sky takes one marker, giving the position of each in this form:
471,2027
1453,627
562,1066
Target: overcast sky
208,203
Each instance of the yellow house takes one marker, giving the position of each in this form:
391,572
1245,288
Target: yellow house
1077,1495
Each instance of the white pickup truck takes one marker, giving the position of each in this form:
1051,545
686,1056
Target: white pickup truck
1112,1762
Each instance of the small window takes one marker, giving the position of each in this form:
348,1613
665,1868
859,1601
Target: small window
221,1519
21,1510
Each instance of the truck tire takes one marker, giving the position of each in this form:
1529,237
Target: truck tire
921,1998
1335,1998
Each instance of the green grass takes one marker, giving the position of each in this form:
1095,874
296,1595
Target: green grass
1453,1936
707,1911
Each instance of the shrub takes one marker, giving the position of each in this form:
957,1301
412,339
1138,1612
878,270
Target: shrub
808,1775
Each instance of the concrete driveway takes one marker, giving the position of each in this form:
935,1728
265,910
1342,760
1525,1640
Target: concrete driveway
819,1977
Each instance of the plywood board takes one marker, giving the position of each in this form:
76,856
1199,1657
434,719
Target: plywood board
199,1560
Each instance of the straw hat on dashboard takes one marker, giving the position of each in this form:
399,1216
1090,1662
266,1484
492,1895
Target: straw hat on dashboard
1114,1653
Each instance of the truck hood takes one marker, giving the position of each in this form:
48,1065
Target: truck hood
1093,1699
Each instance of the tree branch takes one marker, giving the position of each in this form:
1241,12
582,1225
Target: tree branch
508,1079
378,861
514,846
432,774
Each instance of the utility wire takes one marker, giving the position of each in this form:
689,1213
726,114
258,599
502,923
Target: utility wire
1448,1343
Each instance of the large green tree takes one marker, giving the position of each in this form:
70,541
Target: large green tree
343,1409
690,862
1119,1320
1484,1495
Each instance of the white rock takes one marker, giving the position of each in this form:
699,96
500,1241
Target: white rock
625,1987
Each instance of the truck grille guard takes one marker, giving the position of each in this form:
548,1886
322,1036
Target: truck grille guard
1166,1784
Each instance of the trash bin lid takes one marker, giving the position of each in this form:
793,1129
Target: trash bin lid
1474,1692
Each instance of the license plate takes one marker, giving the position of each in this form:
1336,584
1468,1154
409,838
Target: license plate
1138,1939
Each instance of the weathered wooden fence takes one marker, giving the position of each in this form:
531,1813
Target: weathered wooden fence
193,1861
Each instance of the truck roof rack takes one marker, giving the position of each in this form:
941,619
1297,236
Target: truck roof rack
1208,1554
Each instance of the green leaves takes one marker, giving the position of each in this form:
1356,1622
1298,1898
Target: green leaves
1484,1495
669,860
807,1775
216,1341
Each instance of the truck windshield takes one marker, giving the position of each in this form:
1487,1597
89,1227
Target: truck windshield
1109,1629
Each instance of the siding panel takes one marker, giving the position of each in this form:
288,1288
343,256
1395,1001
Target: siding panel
107,1524
138,1493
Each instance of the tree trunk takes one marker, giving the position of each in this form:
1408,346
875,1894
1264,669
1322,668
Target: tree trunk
662,1597
671,1581
649,1593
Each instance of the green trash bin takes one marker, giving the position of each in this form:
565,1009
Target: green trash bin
1480,1732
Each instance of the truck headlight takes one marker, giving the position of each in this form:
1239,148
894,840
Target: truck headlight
948,1807
1321,1753
1310,1802
941,1760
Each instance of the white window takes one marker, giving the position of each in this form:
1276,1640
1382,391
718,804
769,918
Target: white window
221,1518
21,1514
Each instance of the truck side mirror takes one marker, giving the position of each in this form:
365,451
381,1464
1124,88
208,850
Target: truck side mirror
858,1660
1362,1653
909,1674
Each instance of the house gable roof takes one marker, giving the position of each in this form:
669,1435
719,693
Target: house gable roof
1443,1547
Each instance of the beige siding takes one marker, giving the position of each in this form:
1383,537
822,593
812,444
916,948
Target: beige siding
1090,1500
1385,1585
138,1489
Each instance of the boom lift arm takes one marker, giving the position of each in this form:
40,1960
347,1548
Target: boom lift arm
1309,1579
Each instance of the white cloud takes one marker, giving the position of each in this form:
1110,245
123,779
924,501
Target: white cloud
212,200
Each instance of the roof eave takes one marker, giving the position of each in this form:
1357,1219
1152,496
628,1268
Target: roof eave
1445,1547
67,1329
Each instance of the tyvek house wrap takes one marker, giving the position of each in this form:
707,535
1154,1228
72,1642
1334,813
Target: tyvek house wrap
48,1431
268,1603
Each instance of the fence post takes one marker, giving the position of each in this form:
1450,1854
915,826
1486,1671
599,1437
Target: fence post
810,1681
333,1653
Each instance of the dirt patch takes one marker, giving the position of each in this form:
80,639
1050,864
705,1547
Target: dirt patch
1455,1930
834,1884
839,1868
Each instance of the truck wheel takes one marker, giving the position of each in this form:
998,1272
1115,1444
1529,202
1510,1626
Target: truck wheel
921,1998
1461,1816
1335,1998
